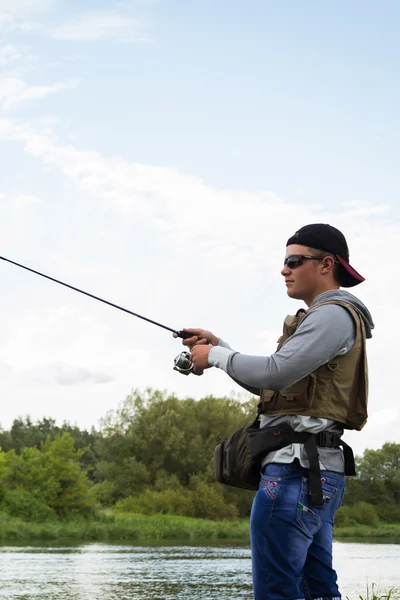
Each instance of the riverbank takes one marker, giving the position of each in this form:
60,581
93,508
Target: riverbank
137,528
124,527
384,532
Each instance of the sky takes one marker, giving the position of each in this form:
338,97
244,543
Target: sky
158,154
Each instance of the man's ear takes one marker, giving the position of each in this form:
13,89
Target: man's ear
328,262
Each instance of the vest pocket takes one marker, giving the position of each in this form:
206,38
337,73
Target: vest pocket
299,395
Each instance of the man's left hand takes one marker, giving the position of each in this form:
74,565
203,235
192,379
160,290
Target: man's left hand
199,357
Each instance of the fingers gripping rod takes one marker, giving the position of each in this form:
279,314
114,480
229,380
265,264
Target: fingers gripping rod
179,333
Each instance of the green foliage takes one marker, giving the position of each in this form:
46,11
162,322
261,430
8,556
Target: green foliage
378,476
153,433
25,434
364,513
46,481
68,481
150,502
25,505
209,503
155,456
388,513
384,531
377,482
342,518
133,527
373,593
203,501
178,436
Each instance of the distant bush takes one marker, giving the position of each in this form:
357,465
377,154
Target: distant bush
209,503
151,502
364,513
102,494
342,518
21,503
204,502
389,513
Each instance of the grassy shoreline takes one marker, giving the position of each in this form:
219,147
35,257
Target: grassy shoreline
108,527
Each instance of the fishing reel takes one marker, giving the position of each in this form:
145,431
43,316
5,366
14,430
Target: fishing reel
183,363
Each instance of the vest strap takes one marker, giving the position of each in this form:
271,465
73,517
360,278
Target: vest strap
314,473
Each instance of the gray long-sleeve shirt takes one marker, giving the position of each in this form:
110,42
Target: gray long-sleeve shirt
326,332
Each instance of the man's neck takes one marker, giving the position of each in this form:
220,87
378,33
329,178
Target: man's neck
310,301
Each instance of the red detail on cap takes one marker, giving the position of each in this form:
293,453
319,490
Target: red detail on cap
350,270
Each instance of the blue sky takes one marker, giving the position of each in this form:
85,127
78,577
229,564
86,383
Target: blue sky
159,154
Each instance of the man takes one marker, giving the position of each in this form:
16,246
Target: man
316,382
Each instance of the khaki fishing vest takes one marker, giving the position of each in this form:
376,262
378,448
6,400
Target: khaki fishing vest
337,390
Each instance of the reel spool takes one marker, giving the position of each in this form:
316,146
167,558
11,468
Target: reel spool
183,363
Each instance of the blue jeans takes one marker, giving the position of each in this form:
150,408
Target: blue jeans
291,541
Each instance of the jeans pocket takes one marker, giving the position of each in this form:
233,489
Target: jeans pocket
310,517
270,486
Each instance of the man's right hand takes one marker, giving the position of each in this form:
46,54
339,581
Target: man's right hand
199,336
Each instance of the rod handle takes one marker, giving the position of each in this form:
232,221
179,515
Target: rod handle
183,334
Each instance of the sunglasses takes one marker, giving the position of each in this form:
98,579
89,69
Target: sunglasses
296,260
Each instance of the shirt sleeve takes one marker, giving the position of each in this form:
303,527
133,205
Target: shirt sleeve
324,333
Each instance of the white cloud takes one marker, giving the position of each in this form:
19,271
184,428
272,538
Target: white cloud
64,375
8,53
100,25
16,13
181,206
14,92
24,201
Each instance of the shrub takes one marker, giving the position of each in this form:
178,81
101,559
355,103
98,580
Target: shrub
204,501
342,518
151,502
23,504
209,503
364,513
390,513
102,493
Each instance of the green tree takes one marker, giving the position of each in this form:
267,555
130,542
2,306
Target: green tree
382,469
26,434
51,477
69,484
377,482
165,434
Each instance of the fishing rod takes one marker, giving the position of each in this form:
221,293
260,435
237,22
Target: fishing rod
182,362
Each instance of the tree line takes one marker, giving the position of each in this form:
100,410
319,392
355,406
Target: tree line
155,454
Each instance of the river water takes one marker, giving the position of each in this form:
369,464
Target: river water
123,572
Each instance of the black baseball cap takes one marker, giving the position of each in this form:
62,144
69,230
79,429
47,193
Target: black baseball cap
322,236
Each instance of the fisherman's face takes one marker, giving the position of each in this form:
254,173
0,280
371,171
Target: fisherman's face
303,281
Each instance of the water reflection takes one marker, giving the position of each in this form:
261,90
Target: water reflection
105,572
119,572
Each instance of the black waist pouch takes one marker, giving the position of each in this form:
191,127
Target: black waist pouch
238,458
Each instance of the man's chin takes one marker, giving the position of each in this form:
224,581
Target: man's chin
292,294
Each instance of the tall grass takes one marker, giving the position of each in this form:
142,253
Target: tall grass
373,594
129,527
380,531
109,525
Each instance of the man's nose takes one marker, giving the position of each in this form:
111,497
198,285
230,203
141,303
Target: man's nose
285,271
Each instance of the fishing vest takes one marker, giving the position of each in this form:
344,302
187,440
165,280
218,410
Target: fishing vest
337,390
